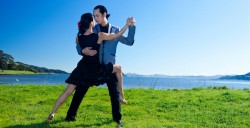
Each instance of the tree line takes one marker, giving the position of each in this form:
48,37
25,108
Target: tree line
7,63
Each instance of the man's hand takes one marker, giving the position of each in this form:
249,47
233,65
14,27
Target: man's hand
88,52
132,21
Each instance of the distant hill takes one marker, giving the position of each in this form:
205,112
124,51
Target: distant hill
237,77
43,69
7,63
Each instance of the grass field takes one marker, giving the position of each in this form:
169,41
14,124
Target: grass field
29,105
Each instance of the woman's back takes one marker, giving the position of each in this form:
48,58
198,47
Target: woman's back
90,41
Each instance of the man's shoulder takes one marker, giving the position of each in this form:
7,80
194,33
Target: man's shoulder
115,27
96,26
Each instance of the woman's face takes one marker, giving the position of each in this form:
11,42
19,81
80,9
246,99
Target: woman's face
99,18
93,22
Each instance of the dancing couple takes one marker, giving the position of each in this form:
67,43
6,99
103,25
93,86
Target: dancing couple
97,44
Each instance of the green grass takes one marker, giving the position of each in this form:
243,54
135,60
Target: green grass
15,72
29,105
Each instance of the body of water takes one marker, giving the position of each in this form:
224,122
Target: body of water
167,82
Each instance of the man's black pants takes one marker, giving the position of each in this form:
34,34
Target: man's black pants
113,93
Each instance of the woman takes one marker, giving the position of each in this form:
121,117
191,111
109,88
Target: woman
89,71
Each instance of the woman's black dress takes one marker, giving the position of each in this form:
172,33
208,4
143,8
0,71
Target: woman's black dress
89,71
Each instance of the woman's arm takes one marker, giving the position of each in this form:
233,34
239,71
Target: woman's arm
106,36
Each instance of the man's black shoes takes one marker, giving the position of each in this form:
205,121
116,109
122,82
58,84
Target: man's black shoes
69,119
119,123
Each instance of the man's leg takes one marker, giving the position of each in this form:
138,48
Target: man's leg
76,101
114,97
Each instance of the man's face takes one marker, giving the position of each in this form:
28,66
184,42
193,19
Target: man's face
99,18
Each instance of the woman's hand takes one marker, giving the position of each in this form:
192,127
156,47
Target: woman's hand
77,40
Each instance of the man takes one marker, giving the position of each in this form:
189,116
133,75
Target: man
107,54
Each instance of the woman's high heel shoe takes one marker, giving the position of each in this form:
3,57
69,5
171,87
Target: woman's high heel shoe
50,118
123,101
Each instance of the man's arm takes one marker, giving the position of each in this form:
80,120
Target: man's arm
131,34
84,51
130,39
79,49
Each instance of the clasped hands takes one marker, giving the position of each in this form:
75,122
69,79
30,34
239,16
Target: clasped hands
131,21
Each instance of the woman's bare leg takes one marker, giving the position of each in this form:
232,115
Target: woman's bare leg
66,93
118,71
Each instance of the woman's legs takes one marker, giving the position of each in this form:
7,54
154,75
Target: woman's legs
66,93
118,71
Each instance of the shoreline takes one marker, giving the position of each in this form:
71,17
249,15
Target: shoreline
104,86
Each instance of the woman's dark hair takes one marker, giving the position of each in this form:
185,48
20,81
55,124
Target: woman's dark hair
84,23
102,10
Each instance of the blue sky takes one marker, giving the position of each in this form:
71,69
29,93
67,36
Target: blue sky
173,37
